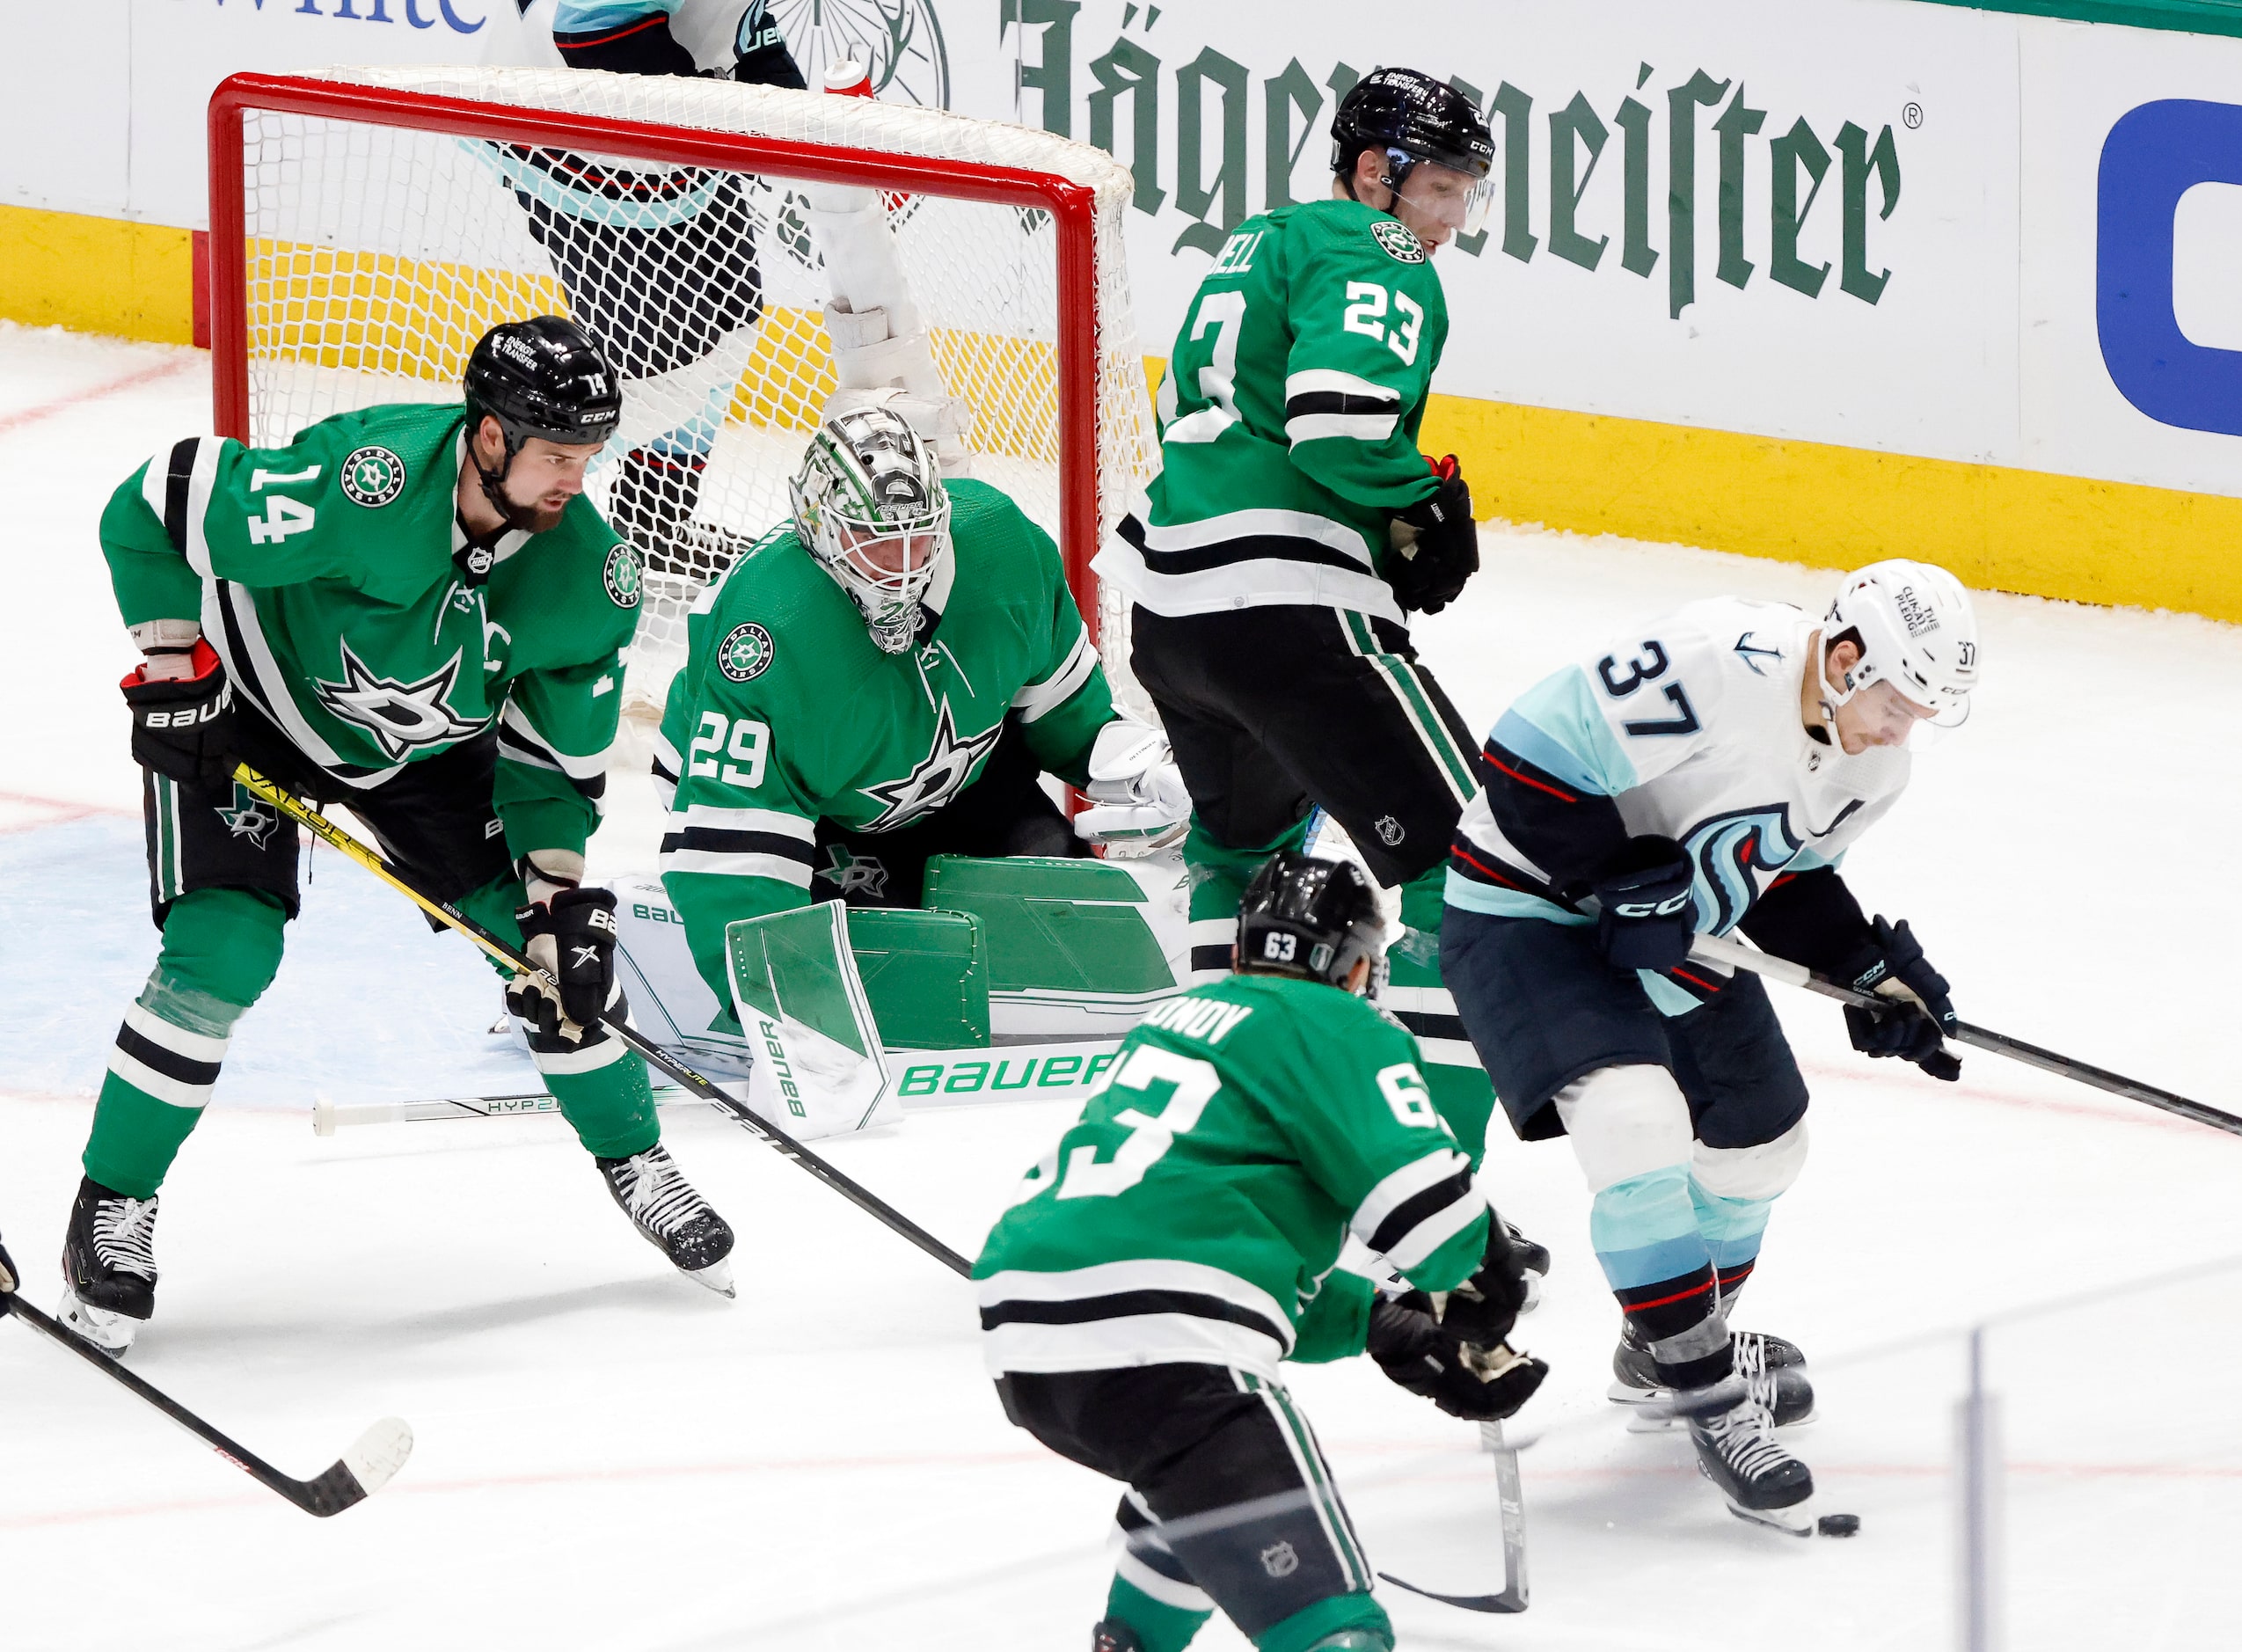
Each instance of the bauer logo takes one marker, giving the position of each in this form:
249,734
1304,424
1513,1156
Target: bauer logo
622,576
745,654
2151,195
372,477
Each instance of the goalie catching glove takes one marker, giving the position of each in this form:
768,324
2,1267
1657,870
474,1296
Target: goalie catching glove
1436,543
572,938
1138,800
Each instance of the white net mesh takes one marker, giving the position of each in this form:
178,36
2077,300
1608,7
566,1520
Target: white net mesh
378,254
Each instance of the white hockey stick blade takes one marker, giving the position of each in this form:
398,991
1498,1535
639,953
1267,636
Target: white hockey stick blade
377,1454
1512,1596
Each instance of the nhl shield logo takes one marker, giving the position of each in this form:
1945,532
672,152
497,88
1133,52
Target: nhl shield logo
1400,245
1279,1560
372,477
745,652
1389,830
622,576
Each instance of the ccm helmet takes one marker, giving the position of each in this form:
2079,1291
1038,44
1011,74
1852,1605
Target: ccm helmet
1311,919
1915,630
540,378
867,481
1408,118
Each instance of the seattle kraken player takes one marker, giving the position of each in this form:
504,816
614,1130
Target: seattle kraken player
1704,774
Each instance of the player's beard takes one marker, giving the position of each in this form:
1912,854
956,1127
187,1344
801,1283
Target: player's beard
538,518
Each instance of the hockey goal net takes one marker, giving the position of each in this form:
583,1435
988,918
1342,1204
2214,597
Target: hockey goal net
369,224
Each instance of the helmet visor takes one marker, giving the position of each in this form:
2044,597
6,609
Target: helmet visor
1882,716
1444,195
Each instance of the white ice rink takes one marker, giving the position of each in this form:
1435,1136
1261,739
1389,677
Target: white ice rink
610,1457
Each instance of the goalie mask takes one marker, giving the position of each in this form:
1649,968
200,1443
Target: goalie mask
870,506
1311,919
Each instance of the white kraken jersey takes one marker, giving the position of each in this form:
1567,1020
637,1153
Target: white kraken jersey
1691,727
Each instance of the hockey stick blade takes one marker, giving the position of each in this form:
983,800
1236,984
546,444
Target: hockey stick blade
370,1463
1513,1597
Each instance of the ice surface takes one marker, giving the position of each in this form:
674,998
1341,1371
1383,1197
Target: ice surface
610,1456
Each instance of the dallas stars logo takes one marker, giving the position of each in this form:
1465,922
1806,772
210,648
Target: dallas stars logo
854,873
936,778
249,817
399,715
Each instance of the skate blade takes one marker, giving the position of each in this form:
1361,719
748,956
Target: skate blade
1650,1410
111,1333
1797,1521
716,1276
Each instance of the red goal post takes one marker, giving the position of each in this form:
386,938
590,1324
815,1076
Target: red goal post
315,182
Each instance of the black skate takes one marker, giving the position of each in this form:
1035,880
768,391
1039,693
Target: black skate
108,1266
1773,1370
1737,1451
1111,1635
657,1196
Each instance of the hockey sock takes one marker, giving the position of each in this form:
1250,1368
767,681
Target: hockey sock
601,1082
1162,1626
1219,875
1646,1235
1460,1087
1310,1625
221,948
1732,1230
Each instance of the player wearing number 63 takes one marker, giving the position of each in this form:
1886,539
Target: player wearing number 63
1183,1238
1704,773
884,678
1293,527
412,611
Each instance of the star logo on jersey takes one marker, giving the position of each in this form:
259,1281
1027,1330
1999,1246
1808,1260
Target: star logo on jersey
1752,656
746,653
623,576
372,477
936,778
854,873
1399,244
249,817
400,716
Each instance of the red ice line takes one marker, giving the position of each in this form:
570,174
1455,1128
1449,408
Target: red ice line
130,381
57,813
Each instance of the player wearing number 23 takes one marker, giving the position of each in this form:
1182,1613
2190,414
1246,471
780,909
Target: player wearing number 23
1703,773
1183,1238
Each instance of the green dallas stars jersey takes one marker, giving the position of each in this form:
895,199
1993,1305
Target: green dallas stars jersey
1196,1211
1289,419
785,713
333,580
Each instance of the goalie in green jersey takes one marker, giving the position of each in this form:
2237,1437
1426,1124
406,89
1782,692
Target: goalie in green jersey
884,678
1183,1238
415,611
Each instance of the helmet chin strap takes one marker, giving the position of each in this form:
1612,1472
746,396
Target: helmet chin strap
521,518
1827,698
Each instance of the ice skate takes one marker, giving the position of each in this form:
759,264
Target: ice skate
664,1206
108,1266
1737,1451
1772,1368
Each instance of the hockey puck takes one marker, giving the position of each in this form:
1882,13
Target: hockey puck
1837,1525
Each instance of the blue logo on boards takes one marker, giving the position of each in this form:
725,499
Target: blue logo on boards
2153,156
378,11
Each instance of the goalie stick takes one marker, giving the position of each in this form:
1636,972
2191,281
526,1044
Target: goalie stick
369,1464
451,917
1513,1595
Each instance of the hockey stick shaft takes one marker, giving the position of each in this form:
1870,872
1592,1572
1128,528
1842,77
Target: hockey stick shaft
327,832
363,1470
1716,949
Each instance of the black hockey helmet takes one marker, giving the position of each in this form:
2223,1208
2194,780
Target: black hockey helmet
1311,919
1410,117
545,377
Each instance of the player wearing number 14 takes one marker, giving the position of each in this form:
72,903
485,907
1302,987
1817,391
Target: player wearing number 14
1183,1238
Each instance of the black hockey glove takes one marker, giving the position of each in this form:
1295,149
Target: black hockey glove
572,939
1427,1358
1645,921
1482,1309
183,727
1890,963
9,1278
1436,545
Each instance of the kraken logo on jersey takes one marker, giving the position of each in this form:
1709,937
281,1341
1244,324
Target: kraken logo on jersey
399,715
1728,849
936,778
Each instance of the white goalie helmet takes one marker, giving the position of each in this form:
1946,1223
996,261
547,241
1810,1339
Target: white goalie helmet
1916,631
870,506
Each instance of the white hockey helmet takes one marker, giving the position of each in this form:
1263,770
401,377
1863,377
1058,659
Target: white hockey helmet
1915,630
870,506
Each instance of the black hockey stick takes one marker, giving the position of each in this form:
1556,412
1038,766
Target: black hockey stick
1513,1595
357,1474
1721,950
333,836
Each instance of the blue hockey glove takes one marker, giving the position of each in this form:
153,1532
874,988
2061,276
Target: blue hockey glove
1890,963
1645,921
